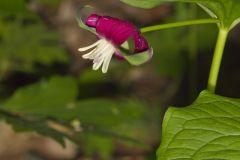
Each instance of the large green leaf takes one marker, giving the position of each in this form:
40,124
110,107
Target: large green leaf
226,10
57,98
41,98
207,129
33,106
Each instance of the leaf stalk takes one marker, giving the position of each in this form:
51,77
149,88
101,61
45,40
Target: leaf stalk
178,24
217,59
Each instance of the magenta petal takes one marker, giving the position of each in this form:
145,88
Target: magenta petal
119,56
115,30
92,20
140,44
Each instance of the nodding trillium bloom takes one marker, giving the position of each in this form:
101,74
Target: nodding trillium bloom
116,37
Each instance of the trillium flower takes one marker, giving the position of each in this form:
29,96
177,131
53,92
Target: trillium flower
115,37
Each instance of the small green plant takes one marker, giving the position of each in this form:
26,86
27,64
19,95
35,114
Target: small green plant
209,128
71,107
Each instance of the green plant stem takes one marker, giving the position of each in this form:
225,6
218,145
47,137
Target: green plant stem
217,58
178,24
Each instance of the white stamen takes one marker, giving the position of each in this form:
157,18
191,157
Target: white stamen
106,62
103,47
101,54
89,47
90,55
97,65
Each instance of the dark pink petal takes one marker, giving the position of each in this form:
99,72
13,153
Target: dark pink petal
115,30
92,20
140,44
119,56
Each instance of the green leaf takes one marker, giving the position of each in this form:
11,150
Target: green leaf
100,145
225,10
43,97
57,98
143,3
21,124
106,113
83,14
135,58
32,107
207,129
129,45
139,58
127,51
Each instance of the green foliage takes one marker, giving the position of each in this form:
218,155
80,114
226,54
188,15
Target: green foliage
57,98
52,106
225,10
23,124
207,129
25,40
34,107
27,44
139,58
80,20
102,145
143,3
90,76
28,109
42,98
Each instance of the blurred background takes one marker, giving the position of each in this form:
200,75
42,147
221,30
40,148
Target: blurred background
54,106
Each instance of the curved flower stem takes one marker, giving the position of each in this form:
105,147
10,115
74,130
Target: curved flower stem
217,58
178,24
